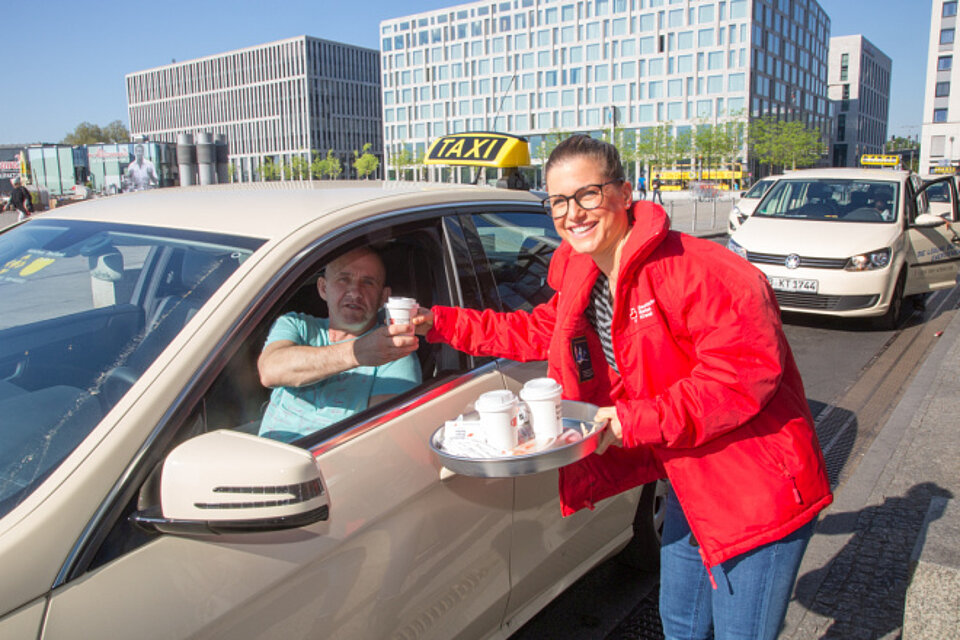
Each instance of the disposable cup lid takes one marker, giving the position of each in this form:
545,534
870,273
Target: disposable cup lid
401,303
541,389
500,400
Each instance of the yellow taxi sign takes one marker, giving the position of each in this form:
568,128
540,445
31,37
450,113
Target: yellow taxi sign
480,150
878,160
945,170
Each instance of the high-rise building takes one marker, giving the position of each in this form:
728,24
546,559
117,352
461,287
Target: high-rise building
536,67
940,133
274,102
859,88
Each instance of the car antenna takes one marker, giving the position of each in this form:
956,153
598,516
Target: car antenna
476,177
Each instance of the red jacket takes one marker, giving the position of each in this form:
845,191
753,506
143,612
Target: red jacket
709,395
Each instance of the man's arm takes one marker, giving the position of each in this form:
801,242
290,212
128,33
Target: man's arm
284,363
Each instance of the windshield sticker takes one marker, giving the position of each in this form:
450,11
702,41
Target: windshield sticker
27,265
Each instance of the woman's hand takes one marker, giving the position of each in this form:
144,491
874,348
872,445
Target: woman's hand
423,321
613,434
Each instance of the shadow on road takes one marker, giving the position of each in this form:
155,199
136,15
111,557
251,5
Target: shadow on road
863,588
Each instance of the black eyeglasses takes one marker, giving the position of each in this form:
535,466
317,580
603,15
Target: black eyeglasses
588,197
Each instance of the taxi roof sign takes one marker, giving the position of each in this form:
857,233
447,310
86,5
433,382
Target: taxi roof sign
883,161
480,149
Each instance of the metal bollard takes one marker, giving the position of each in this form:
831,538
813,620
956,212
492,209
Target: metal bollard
713,220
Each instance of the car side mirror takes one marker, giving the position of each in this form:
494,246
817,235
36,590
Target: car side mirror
928,221
232,482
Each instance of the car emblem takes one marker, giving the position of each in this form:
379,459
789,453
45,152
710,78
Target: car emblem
792,261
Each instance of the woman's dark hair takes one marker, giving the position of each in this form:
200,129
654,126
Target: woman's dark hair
604,153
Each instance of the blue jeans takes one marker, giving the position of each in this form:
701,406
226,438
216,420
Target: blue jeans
752,592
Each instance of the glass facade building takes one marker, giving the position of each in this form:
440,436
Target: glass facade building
272,101
535,67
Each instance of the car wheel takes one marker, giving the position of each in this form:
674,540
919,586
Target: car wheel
890,320
643,550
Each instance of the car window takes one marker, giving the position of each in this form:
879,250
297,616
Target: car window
518,246
87,308
832,199
757,190
938,193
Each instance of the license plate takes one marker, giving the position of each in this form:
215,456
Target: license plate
793,284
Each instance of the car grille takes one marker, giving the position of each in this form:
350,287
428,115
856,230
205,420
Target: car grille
805,261
814,301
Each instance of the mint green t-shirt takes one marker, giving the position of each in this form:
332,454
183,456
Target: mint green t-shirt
298,411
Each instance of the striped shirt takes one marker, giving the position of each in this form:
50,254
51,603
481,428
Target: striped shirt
600,316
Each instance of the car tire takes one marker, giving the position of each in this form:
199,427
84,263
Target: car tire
643,550
890,320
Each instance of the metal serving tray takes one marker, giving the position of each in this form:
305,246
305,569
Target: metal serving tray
576,415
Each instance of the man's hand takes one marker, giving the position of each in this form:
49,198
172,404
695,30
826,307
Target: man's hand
384,345
423,321
613,435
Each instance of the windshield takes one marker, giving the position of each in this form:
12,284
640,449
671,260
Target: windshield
87,307
832,199
756,191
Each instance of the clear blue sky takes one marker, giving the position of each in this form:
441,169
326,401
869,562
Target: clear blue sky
66,60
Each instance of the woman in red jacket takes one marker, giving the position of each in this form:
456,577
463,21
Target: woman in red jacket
680,342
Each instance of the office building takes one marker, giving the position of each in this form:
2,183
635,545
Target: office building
536,67
273,102
859,88
940,132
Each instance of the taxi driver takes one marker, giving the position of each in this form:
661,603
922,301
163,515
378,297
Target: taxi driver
323,370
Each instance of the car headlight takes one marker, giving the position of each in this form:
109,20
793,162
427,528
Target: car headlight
741,216
869,261
736,248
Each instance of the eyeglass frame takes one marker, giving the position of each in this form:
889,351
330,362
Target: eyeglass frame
547,208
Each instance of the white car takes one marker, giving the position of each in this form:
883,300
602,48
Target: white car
748,201
850,242
137,501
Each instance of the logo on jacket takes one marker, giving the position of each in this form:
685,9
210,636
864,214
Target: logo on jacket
642,311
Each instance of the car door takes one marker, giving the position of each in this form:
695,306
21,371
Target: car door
933,252
548,552
404,552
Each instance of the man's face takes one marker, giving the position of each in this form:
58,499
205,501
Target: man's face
138,152
353,287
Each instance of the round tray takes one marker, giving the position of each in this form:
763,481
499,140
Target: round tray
576,415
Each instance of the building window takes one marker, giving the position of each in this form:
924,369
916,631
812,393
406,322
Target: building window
946,36
944,63
841,127
943,89
949,9
939,115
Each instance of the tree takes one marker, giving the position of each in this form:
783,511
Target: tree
655,145
89,133
269,171
365,163
296,169
786,144
331,165
400,161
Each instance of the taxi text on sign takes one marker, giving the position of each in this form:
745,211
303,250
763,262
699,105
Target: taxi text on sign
480,149
885,161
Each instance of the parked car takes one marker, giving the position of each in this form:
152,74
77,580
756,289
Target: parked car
851,242
135,499
748,201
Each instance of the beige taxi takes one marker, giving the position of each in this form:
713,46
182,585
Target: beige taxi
138,501
852,242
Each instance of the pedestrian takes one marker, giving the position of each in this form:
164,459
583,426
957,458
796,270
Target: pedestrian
656,191
642,186
20,199
679,342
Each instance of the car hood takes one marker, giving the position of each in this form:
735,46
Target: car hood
813,238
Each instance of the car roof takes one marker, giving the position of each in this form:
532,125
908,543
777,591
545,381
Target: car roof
272,210
849,173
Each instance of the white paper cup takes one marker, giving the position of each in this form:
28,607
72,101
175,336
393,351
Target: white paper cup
498,418
543,398
400,310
